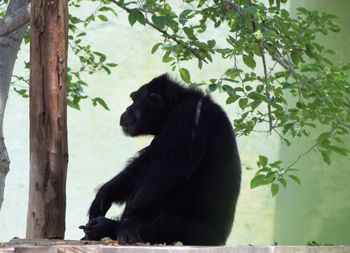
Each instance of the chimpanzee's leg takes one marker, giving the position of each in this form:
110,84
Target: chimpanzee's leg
168,229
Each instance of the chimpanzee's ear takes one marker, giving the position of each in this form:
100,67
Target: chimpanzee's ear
157,100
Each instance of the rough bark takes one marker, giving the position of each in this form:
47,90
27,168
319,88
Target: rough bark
4,168
48,118
12,22
9,46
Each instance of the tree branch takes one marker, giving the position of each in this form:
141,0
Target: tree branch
11,23
9,46
267,83
278,58
236,7
260,43
165,33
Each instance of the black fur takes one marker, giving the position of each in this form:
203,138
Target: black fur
182,187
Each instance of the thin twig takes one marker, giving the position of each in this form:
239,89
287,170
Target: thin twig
266,82
288,66
280,60
260,43
272,68
301,155
236,7
165,33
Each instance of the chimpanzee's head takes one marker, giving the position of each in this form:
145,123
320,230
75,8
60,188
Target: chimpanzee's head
150,107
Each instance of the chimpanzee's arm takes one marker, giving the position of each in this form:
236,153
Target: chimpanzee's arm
115,190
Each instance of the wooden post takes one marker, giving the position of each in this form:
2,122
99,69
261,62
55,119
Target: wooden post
48,119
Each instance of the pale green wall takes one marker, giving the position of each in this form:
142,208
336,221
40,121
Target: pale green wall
98,149
319,210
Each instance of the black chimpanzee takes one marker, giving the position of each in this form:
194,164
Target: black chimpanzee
182,187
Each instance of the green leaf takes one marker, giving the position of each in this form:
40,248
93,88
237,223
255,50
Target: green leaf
103,57
249,61
200,63
295,57
212,87
339,150
155,47
201,2
275,164
73,105
132,18
211,43
26,39
136,16
263,160
22,92
101,102
185,75
183,16
259,180
106,8
322,138
274,189
284,14
326,156
230,91
170,22
189,32
112,65
108,71
167,58
231,100
102,18
141,18
233,73
81,34
295,179
243,103
89,19
159,21
283,182
74,20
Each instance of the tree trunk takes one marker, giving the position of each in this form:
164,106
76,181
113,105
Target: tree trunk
9,46
48,119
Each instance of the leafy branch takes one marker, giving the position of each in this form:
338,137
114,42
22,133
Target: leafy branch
300,91
316,88
143,20
91,61
260,43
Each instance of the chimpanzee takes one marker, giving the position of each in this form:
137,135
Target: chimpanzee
183,186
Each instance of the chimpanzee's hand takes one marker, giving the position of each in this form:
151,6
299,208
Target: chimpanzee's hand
100,227
100,205
128,233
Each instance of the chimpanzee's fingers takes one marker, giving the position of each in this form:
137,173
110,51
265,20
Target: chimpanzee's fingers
93,222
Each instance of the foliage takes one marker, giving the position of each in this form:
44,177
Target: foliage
271,56
91,61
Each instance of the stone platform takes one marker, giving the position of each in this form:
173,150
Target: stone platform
67,247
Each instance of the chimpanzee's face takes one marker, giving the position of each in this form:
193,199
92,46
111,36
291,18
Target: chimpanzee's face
144,116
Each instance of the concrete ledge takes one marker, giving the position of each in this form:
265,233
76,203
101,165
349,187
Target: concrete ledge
172,249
